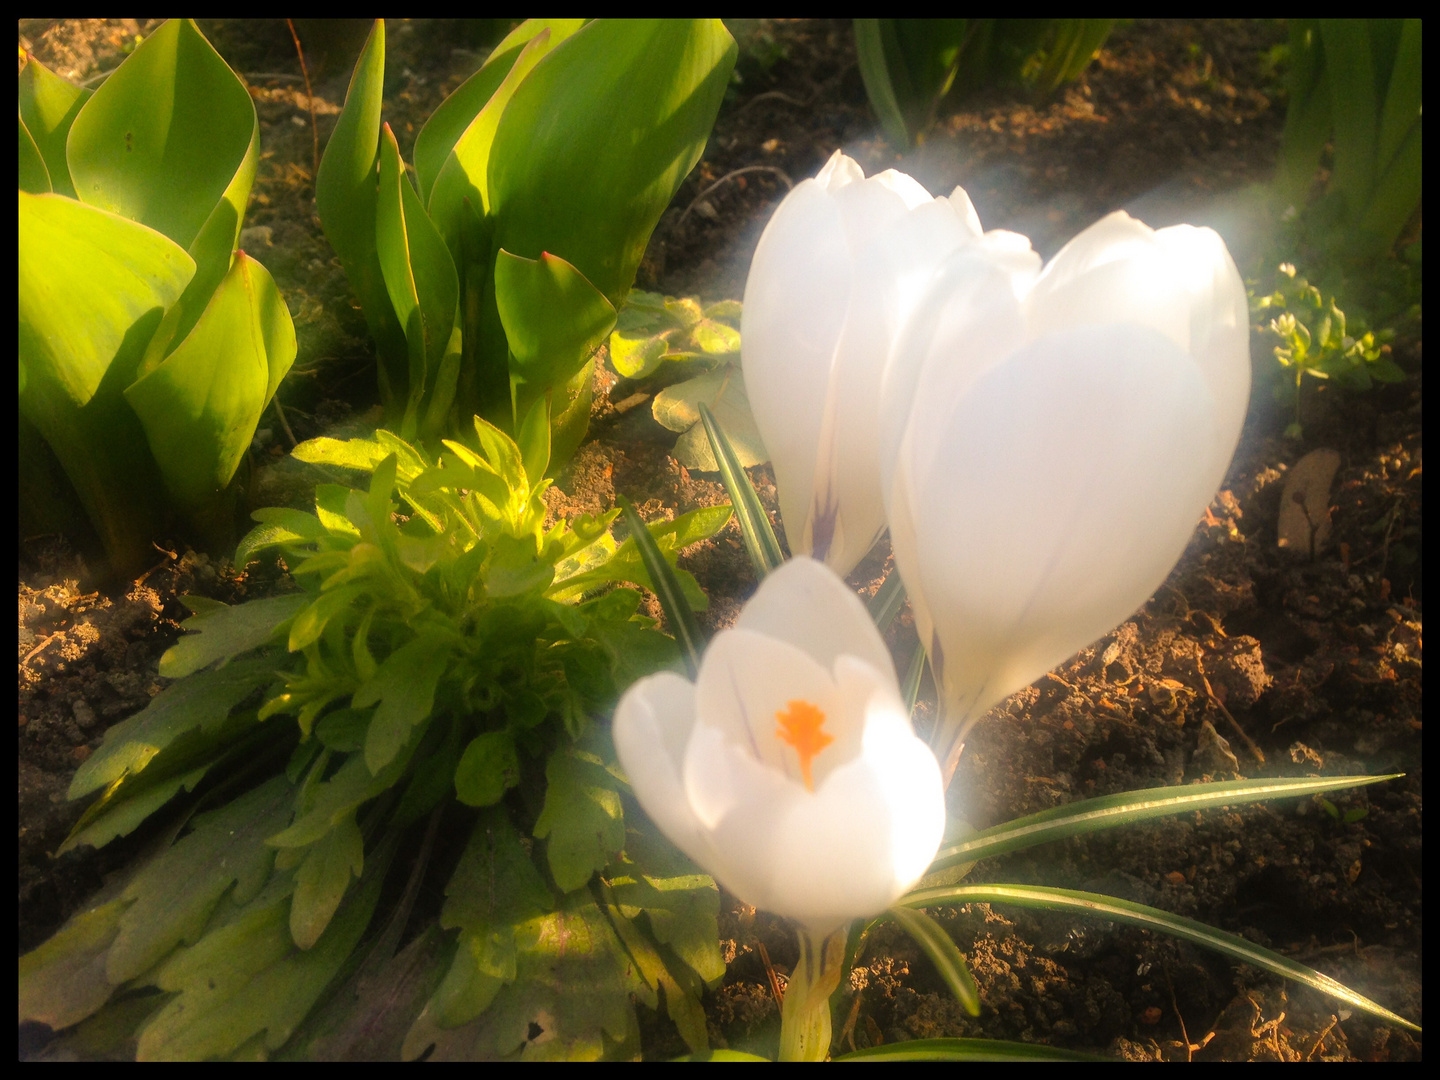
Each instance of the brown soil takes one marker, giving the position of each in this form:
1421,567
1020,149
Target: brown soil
1250,661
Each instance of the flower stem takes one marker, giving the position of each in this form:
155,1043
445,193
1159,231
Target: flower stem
805,1016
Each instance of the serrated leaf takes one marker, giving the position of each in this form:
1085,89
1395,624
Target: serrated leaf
682,1002
278,525
200,701
581,821
332,799
63,981
173,895
323,878
488,768
220,635
404,686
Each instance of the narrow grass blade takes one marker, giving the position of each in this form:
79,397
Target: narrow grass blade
887,601
965,1050
1148,918
681,616
914,672
1129,807
948,960
755,528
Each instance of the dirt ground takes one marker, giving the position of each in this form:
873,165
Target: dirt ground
1253,659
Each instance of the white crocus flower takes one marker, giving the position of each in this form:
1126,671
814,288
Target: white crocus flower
1048,444
837,272
789,769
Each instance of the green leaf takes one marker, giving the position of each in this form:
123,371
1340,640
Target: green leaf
875,72
346,196
323,879
597,139
662,581
174,894
92,287
488,768
1130,807
949,961
246,985
162,139
636,356
202,701
405,687
279,526
755,529
228,632
581,820
63,981
723,391
310,622
573,981
1148,918
48,107
494,889
967,1050
201,405
359,454
887,601
554,319
682,1000
34,179
331,800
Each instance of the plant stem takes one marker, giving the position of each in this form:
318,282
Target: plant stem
805,1016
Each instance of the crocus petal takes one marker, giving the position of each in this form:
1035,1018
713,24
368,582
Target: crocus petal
1064,489
652,728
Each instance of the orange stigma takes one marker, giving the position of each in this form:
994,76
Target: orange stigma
800,727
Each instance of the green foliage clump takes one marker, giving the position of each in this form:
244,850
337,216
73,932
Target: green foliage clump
439,672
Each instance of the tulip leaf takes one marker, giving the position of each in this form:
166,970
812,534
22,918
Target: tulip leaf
949,961
346,197
723,390
554,319
581,821
1096,905
488,768
597,139
201,405
1129,807
34,176
755,528
48,107
81,338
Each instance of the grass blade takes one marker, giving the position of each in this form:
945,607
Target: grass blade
948,960
1148,918
1129,807
755,528
887,601
681,616
914,672
965,1050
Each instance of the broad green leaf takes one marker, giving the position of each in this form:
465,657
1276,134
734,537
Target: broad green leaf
419,279
202,701
164,136
346,196
949,961
323,879
220,635
554,319
34,177
636,356
875,71
1130,807
755,529
573,984
494,888
92,288
201,405
1350,68
359,454
456,114
534,441
581,821
723,391
405,687
278,526
1148,918
488,768
595,142
682,998
63,981
48,106
246,985
462,175
174,894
